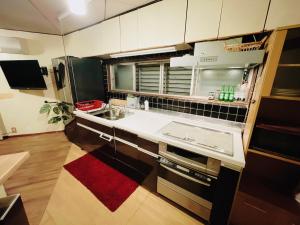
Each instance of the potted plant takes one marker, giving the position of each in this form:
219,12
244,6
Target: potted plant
58,111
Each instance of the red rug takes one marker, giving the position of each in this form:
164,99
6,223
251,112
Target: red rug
109,185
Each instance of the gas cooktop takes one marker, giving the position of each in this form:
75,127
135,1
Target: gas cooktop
202,137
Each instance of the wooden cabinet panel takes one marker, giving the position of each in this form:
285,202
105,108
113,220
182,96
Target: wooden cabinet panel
147,145
162,23
242,17
129,31
247,211
96,126
203,17
125,135
100,39
90,141
283,13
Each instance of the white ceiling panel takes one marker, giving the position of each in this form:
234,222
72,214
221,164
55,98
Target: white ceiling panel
115,7
95,13
22,15
54,17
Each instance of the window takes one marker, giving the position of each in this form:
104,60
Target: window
177,81
148,77
123,77
157,77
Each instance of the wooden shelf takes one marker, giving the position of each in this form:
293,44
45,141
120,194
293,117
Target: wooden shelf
273,193
291,130
280,97
267,153
289,65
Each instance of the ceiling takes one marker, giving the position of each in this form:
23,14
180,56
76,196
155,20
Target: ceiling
53,16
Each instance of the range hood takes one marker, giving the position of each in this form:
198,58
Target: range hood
212,55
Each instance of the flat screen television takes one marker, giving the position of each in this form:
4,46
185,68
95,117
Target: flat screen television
23,74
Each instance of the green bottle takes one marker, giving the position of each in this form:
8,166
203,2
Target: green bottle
221,96
231,93
226,93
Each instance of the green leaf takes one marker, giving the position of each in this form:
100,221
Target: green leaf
45,109
56,110
65,117
55,119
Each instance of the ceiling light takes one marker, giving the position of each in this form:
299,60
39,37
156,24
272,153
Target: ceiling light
144,52
77,6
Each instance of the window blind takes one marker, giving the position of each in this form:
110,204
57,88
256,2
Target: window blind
177,80
147,78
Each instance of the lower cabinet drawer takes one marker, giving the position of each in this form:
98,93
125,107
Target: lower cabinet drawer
89,140
144,164
193,203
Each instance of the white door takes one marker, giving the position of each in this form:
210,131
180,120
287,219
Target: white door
203,17
162,23
283,13
242,17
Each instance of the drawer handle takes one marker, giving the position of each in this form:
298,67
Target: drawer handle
106,137
185,176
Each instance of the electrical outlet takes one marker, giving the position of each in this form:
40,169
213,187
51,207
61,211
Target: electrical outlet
14,130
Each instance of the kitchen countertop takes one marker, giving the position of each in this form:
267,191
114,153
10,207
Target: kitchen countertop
10,163
147,124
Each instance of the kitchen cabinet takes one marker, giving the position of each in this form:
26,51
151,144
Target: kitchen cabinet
74,44
129,31
203,18
12,211
283,13
140,157
242,17
91,136
162,24
101,39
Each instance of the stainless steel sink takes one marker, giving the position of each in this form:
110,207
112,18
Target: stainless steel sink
111,114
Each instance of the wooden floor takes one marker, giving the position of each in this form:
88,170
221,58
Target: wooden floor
36,178
73,204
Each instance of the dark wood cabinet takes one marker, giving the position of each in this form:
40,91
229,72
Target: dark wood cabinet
91,136
12,211
138,153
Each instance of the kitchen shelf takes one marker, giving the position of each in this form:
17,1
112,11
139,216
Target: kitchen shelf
279,128
281,97
267,153
276,194
204,100
289,65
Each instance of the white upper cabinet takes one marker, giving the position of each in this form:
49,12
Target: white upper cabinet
203,17
243,17
283,13
73,44
162,23
103,38
129,31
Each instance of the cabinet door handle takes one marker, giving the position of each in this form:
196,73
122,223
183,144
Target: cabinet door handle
106,137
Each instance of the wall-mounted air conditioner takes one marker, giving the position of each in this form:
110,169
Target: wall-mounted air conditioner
13,45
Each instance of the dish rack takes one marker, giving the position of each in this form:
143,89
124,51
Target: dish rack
244,46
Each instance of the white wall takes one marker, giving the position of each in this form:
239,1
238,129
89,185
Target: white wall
19,108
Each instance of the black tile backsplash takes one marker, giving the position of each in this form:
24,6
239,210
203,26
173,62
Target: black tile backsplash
209,110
